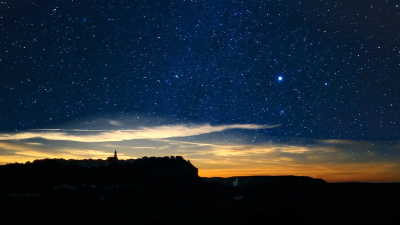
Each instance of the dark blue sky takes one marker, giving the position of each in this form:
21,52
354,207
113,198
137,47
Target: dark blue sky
213,62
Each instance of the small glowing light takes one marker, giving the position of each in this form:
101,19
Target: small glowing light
280,78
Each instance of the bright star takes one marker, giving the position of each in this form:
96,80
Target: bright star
280,78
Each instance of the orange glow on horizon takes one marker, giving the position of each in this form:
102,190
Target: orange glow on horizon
330,173
331,160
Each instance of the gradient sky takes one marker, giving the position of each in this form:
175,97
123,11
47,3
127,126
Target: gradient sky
238,87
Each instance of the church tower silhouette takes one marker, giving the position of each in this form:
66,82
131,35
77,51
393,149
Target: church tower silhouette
113,159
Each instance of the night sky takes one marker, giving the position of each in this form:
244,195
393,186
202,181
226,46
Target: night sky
249,87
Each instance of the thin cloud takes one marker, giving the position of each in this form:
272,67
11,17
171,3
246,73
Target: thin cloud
70,130
115,123
47,129
17,152
21,153
157,132
33,143
135,147
237,149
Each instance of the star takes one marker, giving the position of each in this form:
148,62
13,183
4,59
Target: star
280,78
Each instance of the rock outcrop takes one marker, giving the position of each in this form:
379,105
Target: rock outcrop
47,173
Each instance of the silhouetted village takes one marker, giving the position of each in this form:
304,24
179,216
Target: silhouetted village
168,190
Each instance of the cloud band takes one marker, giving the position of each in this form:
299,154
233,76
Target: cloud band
157,132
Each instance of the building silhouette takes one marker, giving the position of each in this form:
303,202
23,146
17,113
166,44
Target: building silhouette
113,159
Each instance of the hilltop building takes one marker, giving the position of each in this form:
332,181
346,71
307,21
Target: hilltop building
113,159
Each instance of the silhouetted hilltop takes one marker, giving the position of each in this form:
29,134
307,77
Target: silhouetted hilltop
47,173
168,190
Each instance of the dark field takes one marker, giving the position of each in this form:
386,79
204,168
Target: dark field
206,203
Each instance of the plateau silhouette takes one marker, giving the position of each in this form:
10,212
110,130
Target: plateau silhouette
168,190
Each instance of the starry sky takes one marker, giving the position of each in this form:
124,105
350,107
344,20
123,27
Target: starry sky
251,87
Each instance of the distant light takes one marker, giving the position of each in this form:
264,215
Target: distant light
280,78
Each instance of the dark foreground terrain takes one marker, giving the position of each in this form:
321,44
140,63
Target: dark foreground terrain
177,198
